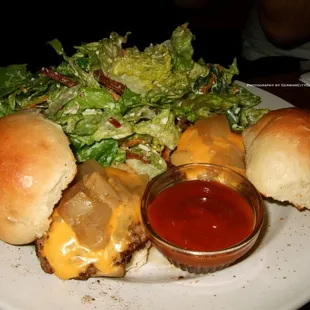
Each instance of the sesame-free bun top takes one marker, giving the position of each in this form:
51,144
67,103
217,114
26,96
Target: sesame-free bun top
278,155
36,165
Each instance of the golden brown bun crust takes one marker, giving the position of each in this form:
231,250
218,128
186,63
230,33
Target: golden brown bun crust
278,155
36,164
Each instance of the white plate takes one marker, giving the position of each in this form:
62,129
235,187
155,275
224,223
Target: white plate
275,276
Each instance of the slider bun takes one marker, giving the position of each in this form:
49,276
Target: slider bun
278,155
36,165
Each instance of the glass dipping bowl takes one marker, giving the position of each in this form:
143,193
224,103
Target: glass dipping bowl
198,261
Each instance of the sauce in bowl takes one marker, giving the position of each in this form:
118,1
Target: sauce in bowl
201,215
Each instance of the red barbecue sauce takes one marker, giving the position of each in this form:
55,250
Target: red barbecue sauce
201,215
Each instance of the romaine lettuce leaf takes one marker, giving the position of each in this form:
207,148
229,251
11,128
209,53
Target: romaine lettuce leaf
239,110
13,77
5,109
79,124
229,73
198,70
83,77
109,50
107,130
181,48
136,114
204,105
95,125
104,152
91,98
78,142
155,164
218,80
144,168
170,88
40,89
139,70
162,127
87,56
241,118
59,98
246,98
129,100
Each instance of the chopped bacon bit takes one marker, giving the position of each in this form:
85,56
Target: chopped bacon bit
130,155
219,67
206,88
166,153
115,122
132,142
124,52
109,84
235,90
115,96
58,77
166,156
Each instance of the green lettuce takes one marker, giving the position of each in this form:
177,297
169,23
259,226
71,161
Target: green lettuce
87,56
107,130
161,85
129,100
246,98
162,127
139,70
139,113
104,152
58,98
228,74
144,168
199,70
154,164
218,79
73,69
181,48
239,119
80,125
21,89
96,125
205,105
91,98
109,51
12,78
171,88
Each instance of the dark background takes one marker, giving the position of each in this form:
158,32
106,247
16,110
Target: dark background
26,27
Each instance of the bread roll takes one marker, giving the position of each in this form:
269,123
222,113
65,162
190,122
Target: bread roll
36,165
278,155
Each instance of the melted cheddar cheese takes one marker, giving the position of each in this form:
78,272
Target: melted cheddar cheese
211,141
68,245
69,258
